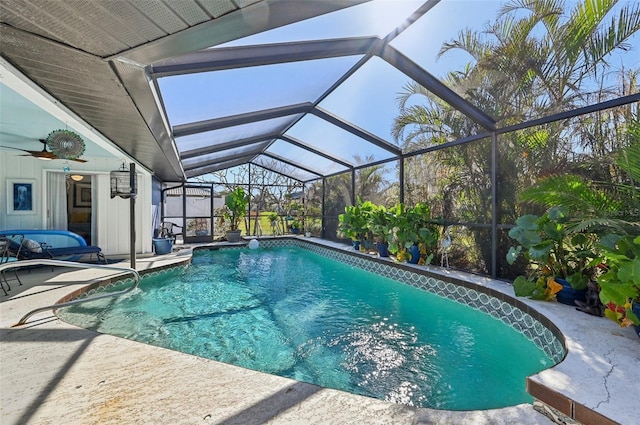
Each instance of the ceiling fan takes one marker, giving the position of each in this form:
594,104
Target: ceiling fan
44,153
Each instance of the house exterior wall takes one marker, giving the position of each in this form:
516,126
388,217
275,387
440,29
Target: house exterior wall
111,215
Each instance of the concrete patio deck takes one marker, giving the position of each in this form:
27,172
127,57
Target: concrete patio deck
55,373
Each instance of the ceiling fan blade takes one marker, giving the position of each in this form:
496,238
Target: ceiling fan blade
18,149
48,155
31,153
41,154
35,154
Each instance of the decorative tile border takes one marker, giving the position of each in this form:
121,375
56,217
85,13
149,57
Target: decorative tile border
107,283
510,311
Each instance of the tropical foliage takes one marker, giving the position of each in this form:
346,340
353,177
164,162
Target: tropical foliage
354,221
536,59
236,203
554,250
600,242
620,285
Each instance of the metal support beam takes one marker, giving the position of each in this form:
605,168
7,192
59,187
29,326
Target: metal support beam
278,172
307,147
367,165
260,55
353,187
494,205
184,213
249,206
426,6
621,101
435,86
353,129
226,145
224,158
304,211
132,213
324,185
293,164
258,17
219,166
401,179
446,145
212,214
246,118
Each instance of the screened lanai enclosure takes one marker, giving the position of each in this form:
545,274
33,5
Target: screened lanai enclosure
312,105
311,116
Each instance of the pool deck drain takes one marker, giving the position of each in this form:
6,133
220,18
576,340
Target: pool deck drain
52,372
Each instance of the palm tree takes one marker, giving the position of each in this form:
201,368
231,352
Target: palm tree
370,182
337,196
538,58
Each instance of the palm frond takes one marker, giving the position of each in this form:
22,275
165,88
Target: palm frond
572,192
628,159
583,22
604,225
613,36
469,41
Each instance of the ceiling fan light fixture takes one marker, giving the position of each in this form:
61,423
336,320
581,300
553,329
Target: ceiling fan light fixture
65,144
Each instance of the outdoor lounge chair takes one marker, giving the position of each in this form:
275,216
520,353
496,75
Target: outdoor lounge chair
25,248
7,257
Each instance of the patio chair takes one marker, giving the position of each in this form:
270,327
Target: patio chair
167,230
29,249
7,257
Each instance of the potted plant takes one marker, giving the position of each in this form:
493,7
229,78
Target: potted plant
379,225
427,231
620,249
620,284
403,234
414,234
273,222
561,259
307,227
605,210
295,226
236,203
353,222
294,208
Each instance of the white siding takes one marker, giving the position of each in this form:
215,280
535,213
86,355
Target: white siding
13,166
112,215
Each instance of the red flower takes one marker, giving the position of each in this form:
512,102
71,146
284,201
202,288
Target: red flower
614,307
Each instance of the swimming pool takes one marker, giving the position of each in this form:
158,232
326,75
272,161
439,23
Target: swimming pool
295,313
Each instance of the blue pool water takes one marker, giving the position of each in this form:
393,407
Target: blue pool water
293,313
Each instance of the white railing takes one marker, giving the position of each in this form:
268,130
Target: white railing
43,262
